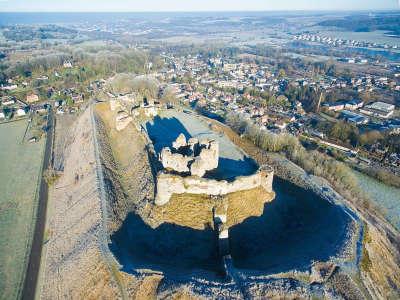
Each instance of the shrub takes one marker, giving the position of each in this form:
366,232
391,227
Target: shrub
51,176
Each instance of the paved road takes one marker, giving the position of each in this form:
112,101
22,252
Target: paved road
32,273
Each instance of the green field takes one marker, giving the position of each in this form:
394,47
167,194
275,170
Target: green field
20,166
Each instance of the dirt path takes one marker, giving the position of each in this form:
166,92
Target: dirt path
35,255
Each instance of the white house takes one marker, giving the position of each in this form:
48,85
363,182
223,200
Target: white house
338,106
2,116
30,98
354,104
9,87
67,64
21,112
8,102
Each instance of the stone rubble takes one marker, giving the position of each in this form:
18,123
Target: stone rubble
122,120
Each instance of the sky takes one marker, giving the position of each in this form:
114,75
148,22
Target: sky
193,5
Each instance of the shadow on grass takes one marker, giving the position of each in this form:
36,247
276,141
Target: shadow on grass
172,249
295,229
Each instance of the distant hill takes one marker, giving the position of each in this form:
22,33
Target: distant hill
367,23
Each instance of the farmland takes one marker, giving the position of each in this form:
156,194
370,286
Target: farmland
21,164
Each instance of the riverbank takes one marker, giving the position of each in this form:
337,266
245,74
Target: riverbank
375,172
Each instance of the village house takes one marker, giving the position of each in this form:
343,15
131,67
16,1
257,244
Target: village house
67,64
8,101
31,98
353,104
337,106
9,87
21,112
77,98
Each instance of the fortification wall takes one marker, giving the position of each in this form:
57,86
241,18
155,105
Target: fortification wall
169,184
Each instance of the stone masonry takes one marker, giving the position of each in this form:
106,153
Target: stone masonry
192,157
187,162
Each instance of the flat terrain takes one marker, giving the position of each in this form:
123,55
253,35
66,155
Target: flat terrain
19,176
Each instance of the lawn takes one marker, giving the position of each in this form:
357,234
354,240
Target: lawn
20,166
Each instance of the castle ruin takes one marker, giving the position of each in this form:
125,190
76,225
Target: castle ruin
194,157
186,163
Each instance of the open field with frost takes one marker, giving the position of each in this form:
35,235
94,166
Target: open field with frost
20,169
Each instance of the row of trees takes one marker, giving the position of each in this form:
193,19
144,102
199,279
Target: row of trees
351,135
314,162
103,59
91,61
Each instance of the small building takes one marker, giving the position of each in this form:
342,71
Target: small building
317,133
8,102
354,118
67,64
21,112
9,87
382,106
77,98
337,106
353,104
2,115
379,109
31,98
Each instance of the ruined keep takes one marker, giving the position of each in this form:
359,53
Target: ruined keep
185,164
194,157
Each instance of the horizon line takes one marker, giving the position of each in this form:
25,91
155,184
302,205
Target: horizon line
209,11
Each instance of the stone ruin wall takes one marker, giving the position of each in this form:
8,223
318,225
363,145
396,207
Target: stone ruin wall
191,160
201,156
169,184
